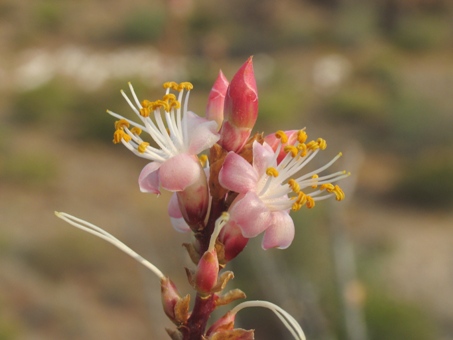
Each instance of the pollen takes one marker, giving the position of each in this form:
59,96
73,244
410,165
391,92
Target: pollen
171,85
145,111
136,130
292,150
120,124
272,172
203,160
282,136
142,147
295,187
310,202
334,189
119,135
185,86
315,182
301,136
322,143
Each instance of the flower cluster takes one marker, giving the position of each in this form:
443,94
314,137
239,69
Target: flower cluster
246,185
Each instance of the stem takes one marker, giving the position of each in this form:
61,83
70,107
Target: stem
198,320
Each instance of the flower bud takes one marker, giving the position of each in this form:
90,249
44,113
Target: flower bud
194,200
232,240
207,272
226,322
240,110
216,100
170,297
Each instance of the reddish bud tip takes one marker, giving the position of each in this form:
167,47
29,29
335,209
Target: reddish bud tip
216,100
226,322
207,272
170,297
241,107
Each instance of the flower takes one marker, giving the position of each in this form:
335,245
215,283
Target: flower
269,189
179,134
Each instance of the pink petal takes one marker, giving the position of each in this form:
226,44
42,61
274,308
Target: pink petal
178,172
148,180
237,174
214,109
250,214
173,207
274,142
280,233
179,225
202,133
177,221
262,157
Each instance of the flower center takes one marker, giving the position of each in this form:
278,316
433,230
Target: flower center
279,187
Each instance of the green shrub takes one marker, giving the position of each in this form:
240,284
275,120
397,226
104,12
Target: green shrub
392,319
427,182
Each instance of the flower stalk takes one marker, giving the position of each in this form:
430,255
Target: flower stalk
246,187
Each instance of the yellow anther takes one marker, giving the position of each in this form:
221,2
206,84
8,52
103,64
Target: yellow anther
122,123
296,206
142,147
185,86
292,150
303,149
203,160
145,111
146,103
280,134
160,104
310,202
301,198
118,136
315,182
327,187
174,104
169,97
272,172
136,131
312,145
171,85
322,143
295,187
301,136
339,194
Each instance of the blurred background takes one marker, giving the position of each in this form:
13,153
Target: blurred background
374,78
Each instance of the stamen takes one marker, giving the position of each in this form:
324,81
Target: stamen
310,202
292,150
120,124
288,321
280,134
272,172
203,160
294,185
142,147
219,224
301,136
315,182
185,86
136,131
92,229
171,85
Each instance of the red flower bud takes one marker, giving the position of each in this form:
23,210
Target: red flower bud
207,272
226,322
232,239
216,100
241,109
170,297
194,200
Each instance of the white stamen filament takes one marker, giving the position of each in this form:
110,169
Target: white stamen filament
290,323
219,224
94,230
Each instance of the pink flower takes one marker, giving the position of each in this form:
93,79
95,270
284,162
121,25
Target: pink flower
178,133
269,189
